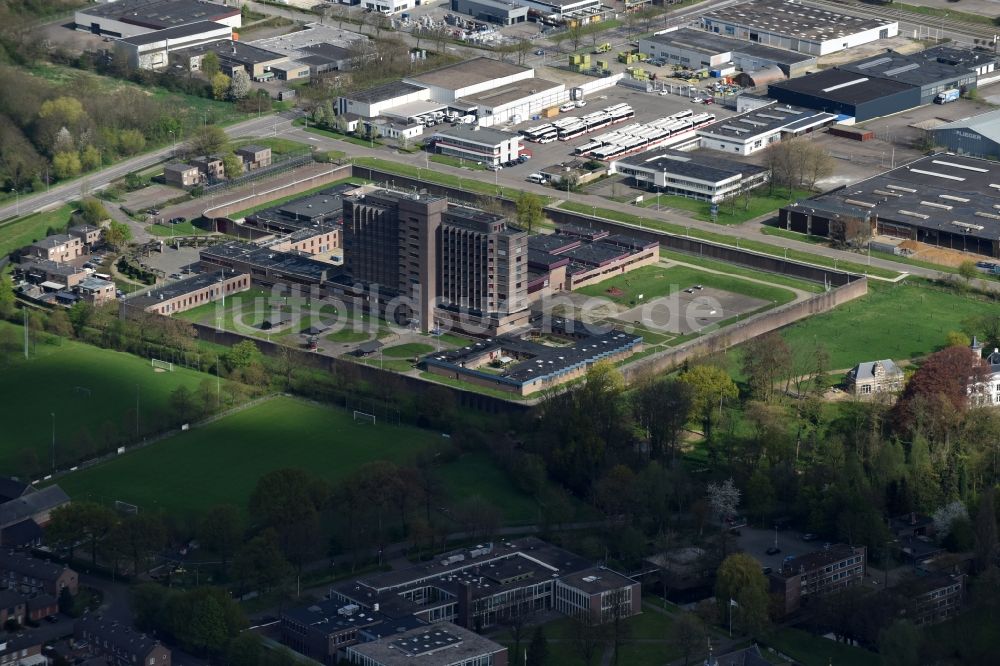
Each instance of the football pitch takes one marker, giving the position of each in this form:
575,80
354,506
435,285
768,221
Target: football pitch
91,391
222,461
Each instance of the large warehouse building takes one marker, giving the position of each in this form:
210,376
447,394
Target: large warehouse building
449,83
785,24
128,18
945,200
886,83
977,136
698,49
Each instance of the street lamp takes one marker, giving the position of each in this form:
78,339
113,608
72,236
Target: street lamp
53,441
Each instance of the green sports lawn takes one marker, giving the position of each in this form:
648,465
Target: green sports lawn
221,462
47,383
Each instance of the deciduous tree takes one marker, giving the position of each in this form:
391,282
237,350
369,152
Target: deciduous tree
710,386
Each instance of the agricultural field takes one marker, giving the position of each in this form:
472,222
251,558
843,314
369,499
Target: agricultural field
91,391
252,442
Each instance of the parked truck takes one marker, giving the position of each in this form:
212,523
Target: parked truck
946,96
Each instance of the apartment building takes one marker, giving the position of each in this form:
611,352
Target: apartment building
188,293
931,598
818,573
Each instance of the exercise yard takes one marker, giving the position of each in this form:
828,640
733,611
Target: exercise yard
222,461
92,392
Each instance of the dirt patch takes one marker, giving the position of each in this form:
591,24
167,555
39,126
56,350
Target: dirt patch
938,255
615,292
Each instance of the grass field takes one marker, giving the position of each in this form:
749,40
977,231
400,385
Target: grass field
722,239
810,650
472,183
24,230
47,383
408,350
655,281
181,229
254,441
760,204
458,162
277,145
742,271
897,322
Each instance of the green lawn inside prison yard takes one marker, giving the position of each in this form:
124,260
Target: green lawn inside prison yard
899,322
25,230
180,475
811,650
47,383
656,281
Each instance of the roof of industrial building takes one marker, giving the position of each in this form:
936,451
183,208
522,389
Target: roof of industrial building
439,644
381,93
696,164
161,13
486,135
331,52
949,193
596,580
710,42
468,73
234,51
511,92
986,124
293,43
767,119
176,32
839,85
794,19
912,69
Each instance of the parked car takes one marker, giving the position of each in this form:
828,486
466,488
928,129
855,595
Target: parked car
178,220
773,550
539,52
808,536
766,570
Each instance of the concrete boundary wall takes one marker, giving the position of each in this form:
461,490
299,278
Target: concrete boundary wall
331,175
702,248
384,379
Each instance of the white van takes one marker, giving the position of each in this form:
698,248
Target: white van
536,178
568,106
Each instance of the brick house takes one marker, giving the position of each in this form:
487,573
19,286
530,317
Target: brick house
58,248
874,378
121,644
254,157
88,234
30,575
41,606
210,166
12,607
182,175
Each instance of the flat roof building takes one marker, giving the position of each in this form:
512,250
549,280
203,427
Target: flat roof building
233,56
266,265
481,145
755,130
847,93
515,101
451,82
817,574
700,49
698,175
57,247
151,50
943,199
502,12
187,293
128,18
794,26
374,101
439,644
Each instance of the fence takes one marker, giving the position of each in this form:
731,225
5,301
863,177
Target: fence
259,174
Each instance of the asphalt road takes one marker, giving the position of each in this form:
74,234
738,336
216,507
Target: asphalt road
65,192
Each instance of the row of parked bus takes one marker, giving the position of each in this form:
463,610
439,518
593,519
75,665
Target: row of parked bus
567,129
643,136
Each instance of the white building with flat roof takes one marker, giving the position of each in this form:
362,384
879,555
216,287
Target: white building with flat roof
787,24
449,83
478,144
